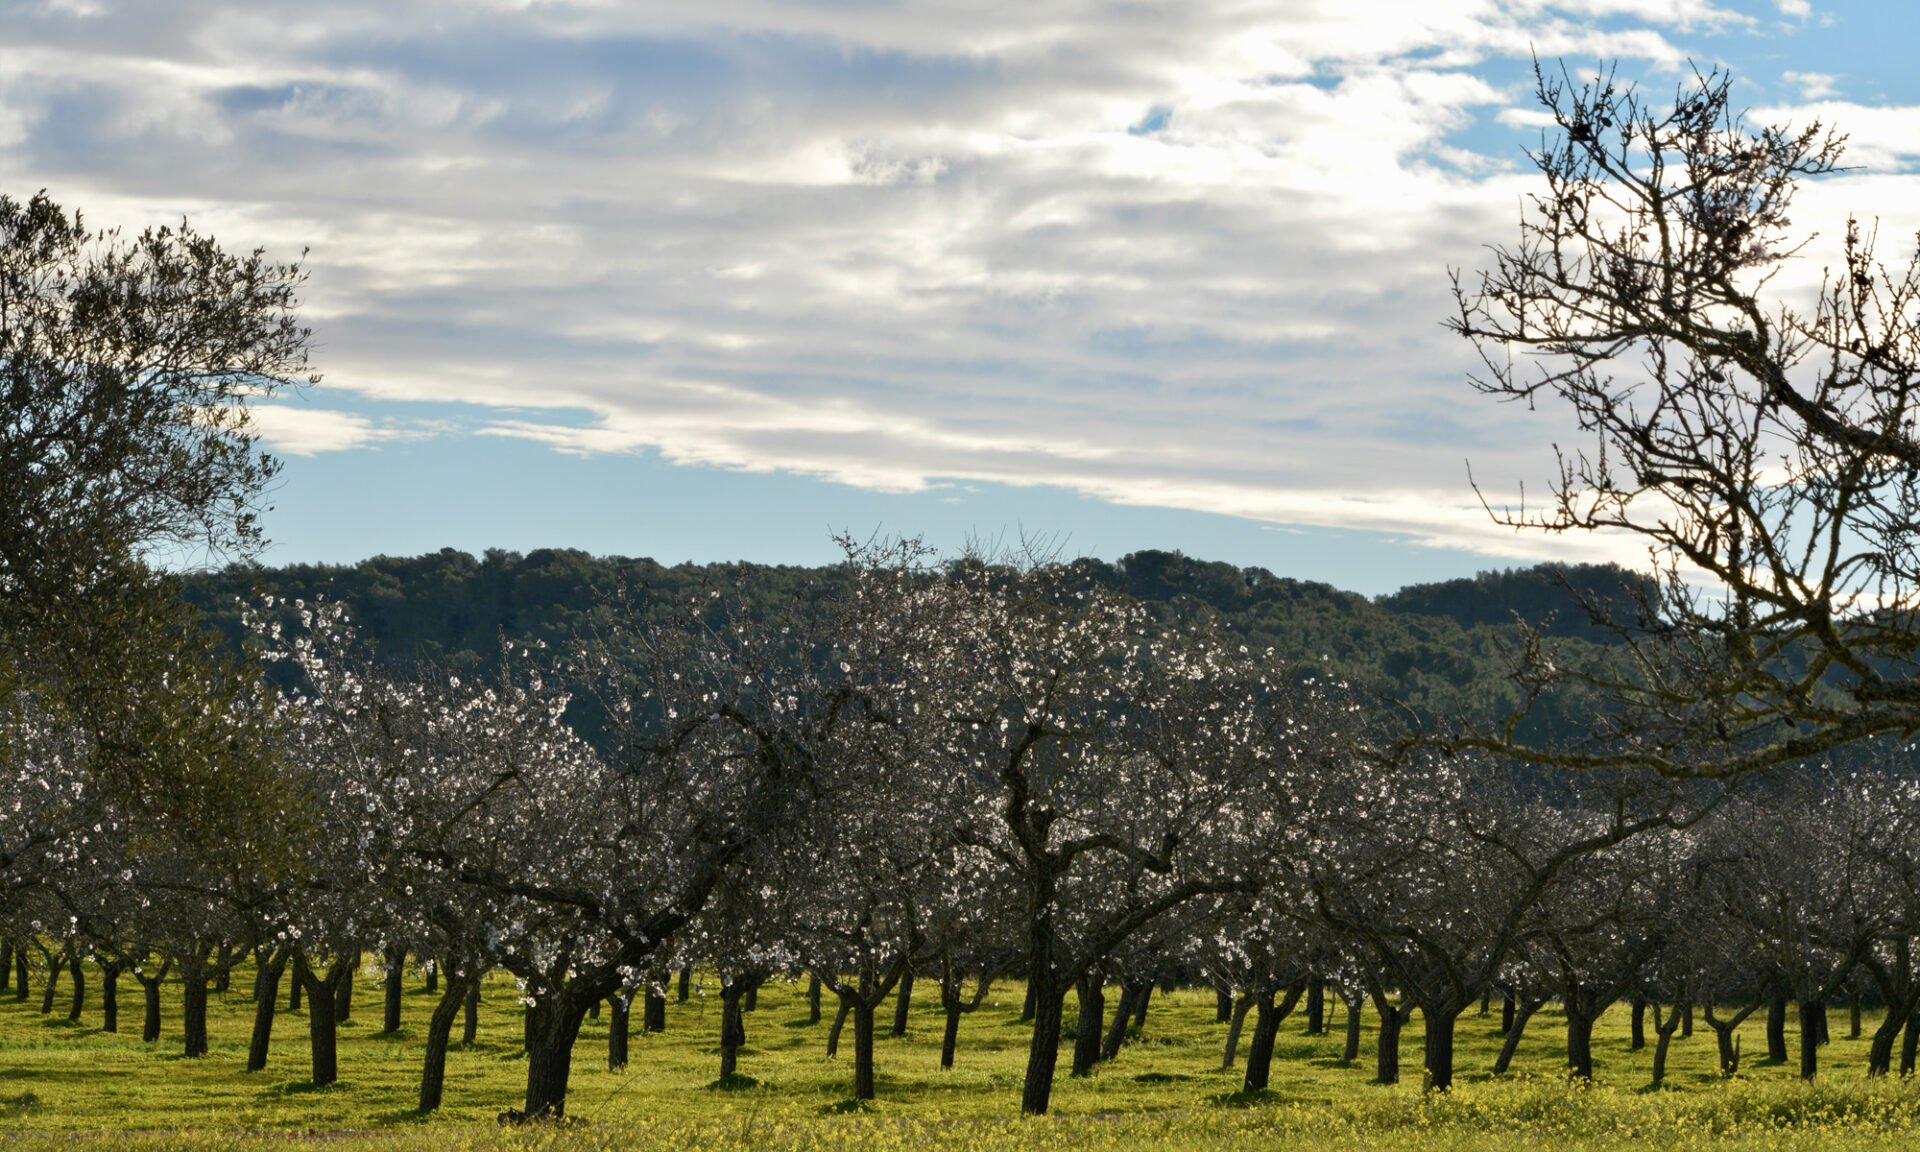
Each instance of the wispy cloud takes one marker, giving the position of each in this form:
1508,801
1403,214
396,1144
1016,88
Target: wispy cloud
1183,255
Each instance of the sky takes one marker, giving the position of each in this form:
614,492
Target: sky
718,280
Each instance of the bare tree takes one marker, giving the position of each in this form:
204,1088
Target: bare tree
1754,445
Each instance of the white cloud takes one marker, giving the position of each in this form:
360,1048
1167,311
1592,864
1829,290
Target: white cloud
890,244
297,430
1813,85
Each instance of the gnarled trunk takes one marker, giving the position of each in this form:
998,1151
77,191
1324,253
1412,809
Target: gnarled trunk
1665,1030
619,1015
1522,1011
1266,1029
1386,1062
1351,1051
1579,1040
109,993
1043,1053
1812,1032
196,974
396,967
903,1005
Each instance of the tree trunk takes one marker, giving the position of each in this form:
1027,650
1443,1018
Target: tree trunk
619,1017
1638,1024
266,998
1122,1012
654,1011
556,1026
1387,1047
396,964
1093,1017
77,974
1810,1033
1351,1052
901,1007
950,1038
686,982
294,992
1665,1030
1317,1007
1909,1042
1508,1011
1522,1013
343,994
813,998
432,969
833,1031
1240,1008
1222,1004
863,1010
1579,1040
1726,1042
109,993
433,1069
195,977
1439,1049
20,970
1266,1029
150,995
470,1010
6,965
323,1026
54,965
1777,1029
733,1026
1043,1054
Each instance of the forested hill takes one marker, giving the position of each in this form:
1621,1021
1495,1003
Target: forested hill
1437,647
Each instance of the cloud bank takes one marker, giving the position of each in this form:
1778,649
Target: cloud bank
1188,255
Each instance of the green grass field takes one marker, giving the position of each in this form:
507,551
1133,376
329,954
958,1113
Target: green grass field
68,1085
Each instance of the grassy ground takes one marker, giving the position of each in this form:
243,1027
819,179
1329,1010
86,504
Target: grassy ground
65,1085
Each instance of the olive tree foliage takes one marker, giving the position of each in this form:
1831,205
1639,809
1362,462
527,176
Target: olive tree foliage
1758,441
126,367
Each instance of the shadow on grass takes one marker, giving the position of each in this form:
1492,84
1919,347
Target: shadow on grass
1161,1078
309,1088
733,1082
801,1022
11,1106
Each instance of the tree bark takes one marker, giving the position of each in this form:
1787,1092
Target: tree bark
1777,1029
1726,1043
1091,993
1579,1041
1317,1007
1387,1046
1664,1031
1638,1024
150,995
1043,1054
1267,1019
1122,1012
195,976
1231,1052
1507,1011
950,1036
619,1021
1522,1012
6,965
833,1031
470,1010
54,965
1351,1052
1811,1031
686,982
77,975
654,1010
396,967
901,1006
556,1025
433,1068
813,998
733,1025
1909,1043
266,998
109,993
323,1027
1222,1004
20,970
863,1010
343,994
1439,1049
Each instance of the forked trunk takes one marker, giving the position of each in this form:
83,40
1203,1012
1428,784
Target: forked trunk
1439,1049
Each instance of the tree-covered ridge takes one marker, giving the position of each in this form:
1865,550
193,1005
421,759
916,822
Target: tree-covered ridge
1438,648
